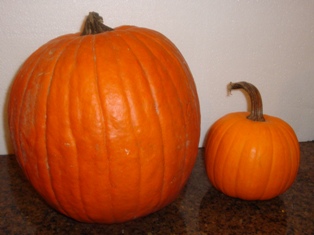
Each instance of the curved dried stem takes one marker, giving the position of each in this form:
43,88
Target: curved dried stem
255,98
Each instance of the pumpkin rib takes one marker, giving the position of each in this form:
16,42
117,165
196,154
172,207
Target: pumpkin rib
80,156
215,139
124,88
90,121
42,51
239,166
155,99
236,189
271,168
22,102
104,125
287,161
131,86
219,139
42,187
26,114
222,144
56,193
152,51
29,66
167,49
281,141
293,173
292,139
177,57
18,137
236,127
210,151
155,36
56,201
261,177
288,156
176,90
70,129
267,175
75,142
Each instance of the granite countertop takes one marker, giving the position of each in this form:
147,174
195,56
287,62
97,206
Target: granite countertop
200,209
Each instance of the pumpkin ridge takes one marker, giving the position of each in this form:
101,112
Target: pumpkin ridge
163,66
82,206
238,166
291,134
42,51
179,98
178,56
154,98
191,89
135,137
252,171
113,175
235,125
55,192
292,138
26,108
22,101
280,137
72,134
22,159
271,166
292,174
211,135
164,51
288,173
216,175
104,124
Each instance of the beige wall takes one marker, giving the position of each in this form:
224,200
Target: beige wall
268,43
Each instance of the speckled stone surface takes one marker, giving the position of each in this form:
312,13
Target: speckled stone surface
200,209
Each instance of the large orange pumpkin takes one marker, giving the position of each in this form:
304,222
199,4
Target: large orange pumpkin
251,156
106,125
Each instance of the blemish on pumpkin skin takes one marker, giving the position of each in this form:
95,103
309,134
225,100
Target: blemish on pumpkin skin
51,52
127,151
47,165
156,108
42,74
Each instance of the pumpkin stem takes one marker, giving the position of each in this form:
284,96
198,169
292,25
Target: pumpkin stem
255,97
94,25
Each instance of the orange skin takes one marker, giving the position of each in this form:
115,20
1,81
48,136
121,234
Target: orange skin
251,160
106,126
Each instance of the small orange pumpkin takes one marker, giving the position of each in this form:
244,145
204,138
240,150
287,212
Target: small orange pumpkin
106,124
253,157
